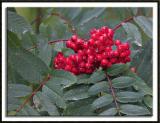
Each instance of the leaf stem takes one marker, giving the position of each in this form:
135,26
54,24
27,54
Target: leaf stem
33,93
125,21
113,95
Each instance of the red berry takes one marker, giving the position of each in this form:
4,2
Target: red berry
82,64
91,42
90,58
68,67
117,42
85,45
123,54
88,65
116,53
101,39
79,41
78,58
68,60
110,33
74,37
104,55
82,70
128,52
104,62
99,57
126,45
108,49
94,36
127,59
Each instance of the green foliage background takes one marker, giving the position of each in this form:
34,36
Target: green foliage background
30,61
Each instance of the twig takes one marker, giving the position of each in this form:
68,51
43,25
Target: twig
55,41
125,21
33,93
31,48
113,95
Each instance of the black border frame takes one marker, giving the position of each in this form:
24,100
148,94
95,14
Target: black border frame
158,10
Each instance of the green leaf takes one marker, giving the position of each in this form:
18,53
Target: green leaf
91,14
102,101
17,23
145,24
140,84
143,62
27,111
64,78
19,90
28,40
123,82
29,66
46,103
59,46
54,97
12,103
133,33
109,112
67,52
45,50
117,69
135,110
98,87
77,93
134,10
126,96
55,86
97,76
80,108
148,100
56,28
83,78
28,13
13,40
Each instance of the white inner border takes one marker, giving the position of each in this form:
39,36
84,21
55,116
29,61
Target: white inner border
80,4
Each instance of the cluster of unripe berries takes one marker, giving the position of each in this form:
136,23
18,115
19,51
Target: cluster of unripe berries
93,53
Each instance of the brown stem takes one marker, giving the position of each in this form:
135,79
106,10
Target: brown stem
33,93
119,25
55,41
31,48
113,95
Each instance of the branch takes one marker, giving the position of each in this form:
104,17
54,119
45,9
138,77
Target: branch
125,21
33,93
113,95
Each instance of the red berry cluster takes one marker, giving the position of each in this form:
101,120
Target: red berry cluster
90,55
